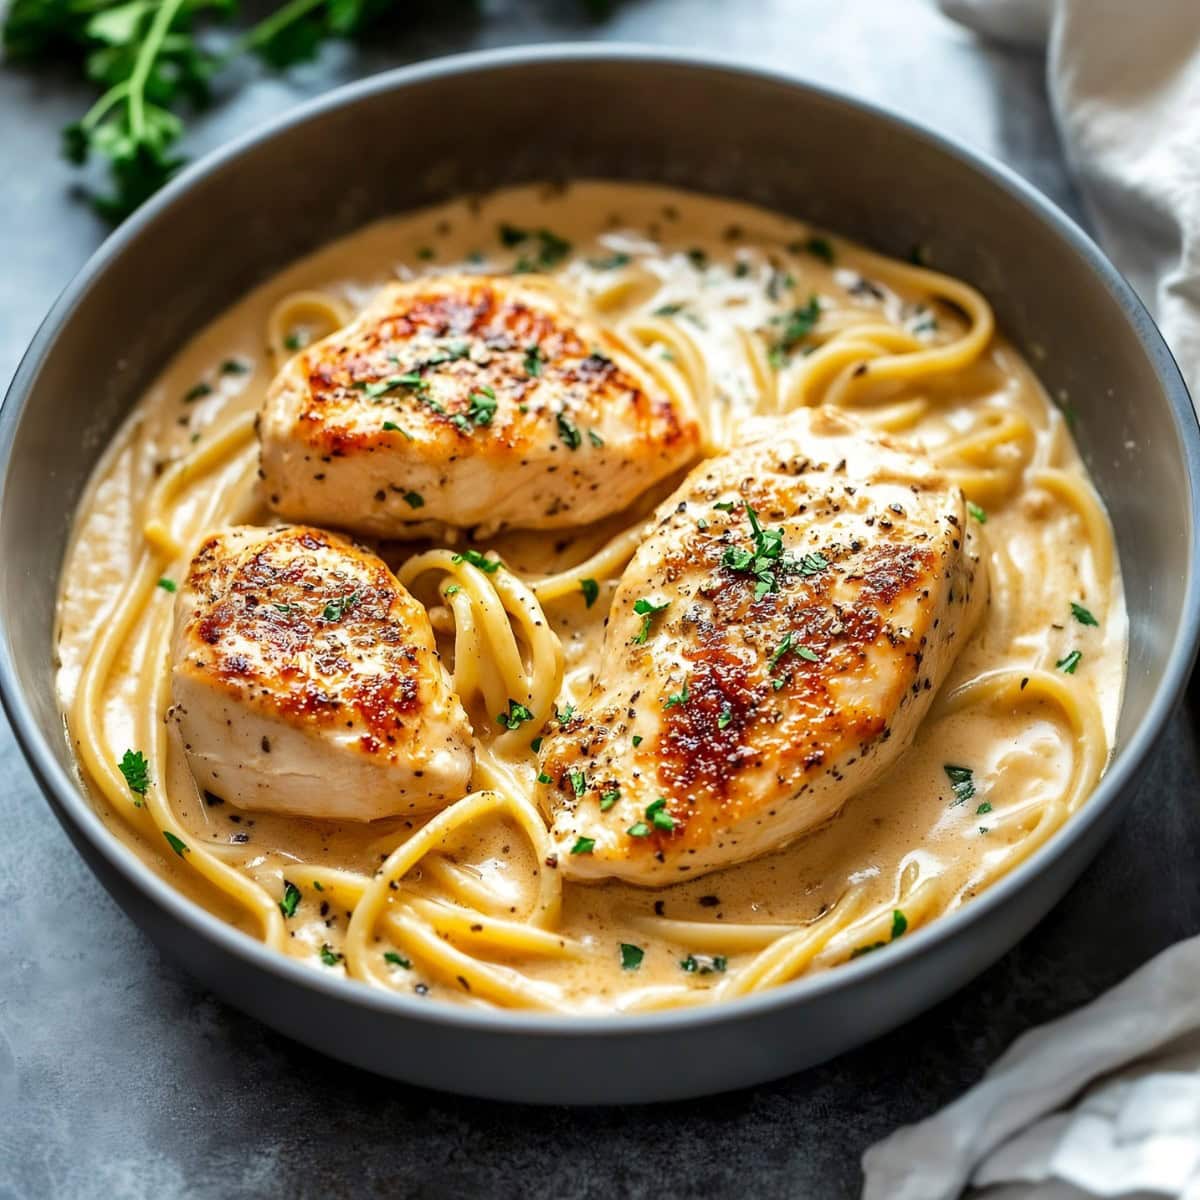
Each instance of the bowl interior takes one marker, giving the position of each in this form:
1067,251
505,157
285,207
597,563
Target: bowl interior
600,114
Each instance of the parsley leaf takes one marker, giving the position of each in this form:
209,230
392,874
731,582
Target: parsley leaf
704,964
483,406
726,717
639,829
657,815
962,782
1068,664
631,957
291,899
167,585
583,845
590,589
609,798
488,565
336,609
578,782
678,699
795,326
975,511
516,716
329,956
820,247
569,431
397,960
414,499
646,609
136,769
1083,615
176,843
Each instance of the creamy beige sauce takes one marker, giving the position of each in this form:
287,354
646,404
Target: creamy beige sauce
724,264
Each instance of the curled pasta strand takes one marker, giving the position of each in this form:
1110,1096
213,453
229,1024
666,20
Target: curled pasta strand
316,313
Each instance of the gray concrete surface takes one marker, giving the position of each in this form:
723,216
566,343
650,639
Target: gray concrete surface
119,1077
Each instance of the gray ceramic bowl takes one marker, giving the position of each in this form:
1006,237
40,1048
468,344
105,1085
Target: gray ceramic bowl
472,123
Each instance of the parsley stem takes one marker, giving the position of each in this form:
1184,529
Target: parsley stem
268,27
147,53
97,112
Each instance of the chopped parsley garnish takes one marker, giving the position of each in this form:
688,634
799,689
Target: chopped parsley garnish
483,406
646,609
516,716
569,431
196,392
637,740
697,258
533,360
511,235
639,829
726,505
578,782
1083,615
611,263
590,589
318,885
136,769
977,512
985,807
820,247
795,327
704,964
536,745
329,956
726,717
296,340
678,699
962,782
767,560
488,565
609,798
234,366
453,590
167,585
567,713
412,380
176,843
631,957
335,610
283,608
543,778
414,499
396,960
291,899
392,427
595,438
583,845
425,253
1068,664
899,925
668,310
779,282
658,816
552,249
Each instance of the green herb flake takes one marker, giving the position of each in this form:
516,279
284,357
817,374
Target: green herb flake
482,406
1068,664
336,609
234,366
167,585
899,923
425,253
595,438
975,511
639,829
657,815
578,782
396,960
136,769
646,609
543,778
678,699
985,807
1083,615
637,740
533,361
726,717
296,340
609,798
291,899
590,589
453,589
536,745
176,843
611,263
821,248
329,956
704,964
318,885
515,717
567,713
794,327
962,782
631,957
568,431
668,310
414,499
488,565
197,392
583,845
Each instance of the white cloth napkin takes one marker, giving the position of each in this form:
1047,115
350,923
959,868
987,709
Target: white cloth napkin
1106,1101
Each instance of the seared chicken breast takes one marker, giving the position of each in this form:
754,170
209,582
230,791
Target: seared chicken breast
305,680
466,401
772,648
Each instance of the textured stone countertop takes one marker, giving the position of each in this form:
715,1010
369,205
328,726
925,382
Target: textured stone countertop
119,1077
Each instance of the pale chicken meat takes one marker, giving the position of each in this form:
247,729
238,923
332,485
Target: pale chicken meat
772,648
472,402
305,680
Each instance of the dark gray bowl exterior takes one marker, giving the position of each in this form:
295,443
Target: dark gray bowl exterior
475,123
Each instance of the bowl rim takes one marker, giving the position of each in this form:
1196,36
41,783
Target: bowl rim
68,798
